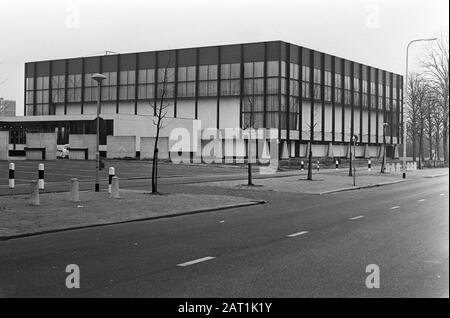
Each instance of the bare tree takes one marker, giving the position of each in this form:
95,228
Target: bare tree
311,132
249,123
159,106
436,70
413,107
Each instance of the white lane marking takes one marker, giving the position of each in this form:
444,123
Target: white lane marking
421,200
195,261
297,234
442,194
222,221
395,207
357,217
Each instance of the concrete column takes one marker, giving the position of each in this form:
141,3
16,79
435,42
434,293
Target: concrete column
74,190
115,188
34,193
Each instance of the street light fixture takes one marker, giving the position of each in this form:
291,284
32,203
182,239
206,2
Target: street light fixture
405,94
383,164
98,78
354,139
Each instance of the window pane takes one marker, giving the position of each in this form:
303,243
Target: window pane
225,71
142,74
131,77
45,82
258,69
203,72
248,70
235,70
123,77
272,85
190,76
272,68
212,72
30,82
130,92
182,74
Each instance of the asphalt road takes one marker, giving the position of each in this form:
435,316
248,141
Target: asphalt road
293,246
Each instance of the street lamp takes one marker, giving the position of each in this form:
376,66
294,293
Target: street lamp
98,78
354,139
405,94
384,147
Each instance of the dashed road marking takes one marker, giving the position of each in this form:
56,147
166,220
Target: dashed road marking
421,200
297,234
195,261
395,207
442,194
357,217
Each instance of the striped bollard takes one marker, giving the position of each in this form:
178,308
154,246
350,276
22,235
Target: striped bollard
337,165
112,173
318,165
369,165
302,165
41,176
12,167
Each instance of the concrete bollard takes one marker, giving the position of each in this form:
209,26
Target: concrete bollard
369,165
34,193
337,164
41,176
112,173
302,165
115,188
12,168
74,190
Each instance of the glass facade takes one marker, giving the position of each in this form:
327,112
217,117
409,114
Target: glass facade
270,87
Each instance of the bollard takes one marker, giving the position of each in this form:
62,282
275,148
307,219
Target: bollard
34,193
369,165
337,164
74,190
12,167
112,173
302,165
318,165
115,187
41,176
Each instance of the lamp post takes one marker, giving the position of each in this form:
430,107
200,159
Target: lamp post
405,94
98,78
354,139
383,163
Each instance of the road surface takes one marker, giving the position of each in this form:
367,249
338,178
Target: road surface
294,246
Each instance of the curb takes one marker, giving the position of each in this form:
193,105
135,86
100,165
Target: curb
437,175
362,187
213,209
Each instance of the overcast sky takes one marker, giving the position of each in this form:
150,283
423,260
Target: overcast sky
374,32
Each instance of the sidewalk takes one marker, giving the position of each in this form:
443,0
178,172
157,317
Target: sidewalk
18,218
325,181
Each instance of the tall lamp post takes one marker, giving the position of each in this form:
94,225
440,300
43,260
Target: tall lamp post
405,94
383,163
354,139
98,78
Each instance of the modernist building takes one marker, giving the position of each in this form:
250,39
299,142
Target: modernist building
308,96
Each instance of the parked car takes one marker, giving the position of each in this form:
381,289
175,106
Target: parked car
63,152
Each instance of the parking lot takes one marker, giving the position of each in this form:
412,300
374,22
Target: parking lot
61,171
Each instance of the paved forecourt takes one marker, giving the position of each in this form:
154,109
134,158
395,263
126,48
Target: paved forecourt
63,170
